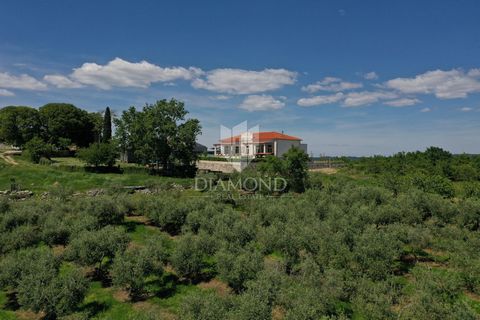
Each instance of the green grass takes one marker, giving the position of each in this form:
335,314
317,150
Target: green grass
99,303
39,178
4,314
174,301
475,305
141,233
74,161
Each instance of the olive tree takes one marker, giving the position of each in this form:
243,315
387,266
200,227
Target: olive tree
130,269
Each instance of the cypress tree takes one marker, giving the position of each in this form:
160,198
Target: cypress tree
107,126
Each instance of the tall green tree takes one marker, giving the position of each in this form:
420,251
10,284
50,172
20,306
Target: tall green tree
62,120
19,124
107,126
129,129
296,169
159,134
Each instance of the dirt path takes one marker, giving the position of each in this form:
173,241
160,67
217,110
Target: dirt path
8,159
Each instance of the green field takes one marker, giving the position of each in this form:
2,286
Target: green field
39,178
352,246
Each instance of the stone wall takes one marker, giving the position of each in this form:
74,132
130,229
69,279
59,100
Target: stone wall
220,166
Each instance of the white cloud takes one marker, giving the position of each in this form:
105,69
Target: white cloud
121,73
238,81
331,84
466,109
319,100
402,102
221,97
60,81
355,99
474,72
443,84
426,110
371,75
6,93
23,81
261,103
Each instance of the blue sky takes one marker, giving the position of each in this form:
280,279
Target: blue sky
349,77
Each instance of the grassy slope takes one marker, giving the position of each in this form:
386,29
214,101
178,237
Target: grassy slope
40,178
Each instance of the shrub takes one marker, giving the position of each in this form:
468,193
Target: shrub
130,269
436,296
375,251
373,300
56,294
471,190
464,172
434,184
40,283
236,267
469,216
204,306
4,205
37,149
187,258
98,154
104,209
20,237
168,212
92,247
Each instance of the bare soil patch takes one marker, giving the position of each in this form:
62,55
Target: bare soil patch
139,219
220,287
473,296
29,315
121,295
147,307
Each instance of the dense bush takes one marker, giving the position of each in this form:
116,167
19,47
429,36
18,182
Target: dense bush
37,149
434,184
168,213
41,284
236,267
92,247
188,258
98,154
131,267
105,210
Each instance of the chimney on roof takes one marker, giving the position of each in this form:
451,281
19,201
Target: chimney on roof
282,131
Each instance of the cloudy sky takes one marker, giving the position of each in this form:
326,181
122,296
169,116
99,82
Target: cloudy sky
349,77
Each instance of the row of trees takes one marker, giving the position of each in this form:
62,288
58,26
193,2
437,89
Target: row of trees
432,161
159,133
59,124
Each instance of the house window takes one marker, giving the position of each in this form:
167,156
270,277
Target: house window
259,148
269,148
227,149
237,149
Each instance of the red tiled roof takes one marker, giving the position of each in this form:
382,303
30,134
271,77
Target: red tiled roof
262,137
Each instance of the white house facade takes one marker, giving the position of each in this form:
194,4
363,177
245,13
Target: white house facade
258,144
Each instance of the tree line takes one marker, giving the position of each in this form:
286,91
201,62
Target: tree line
158,134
